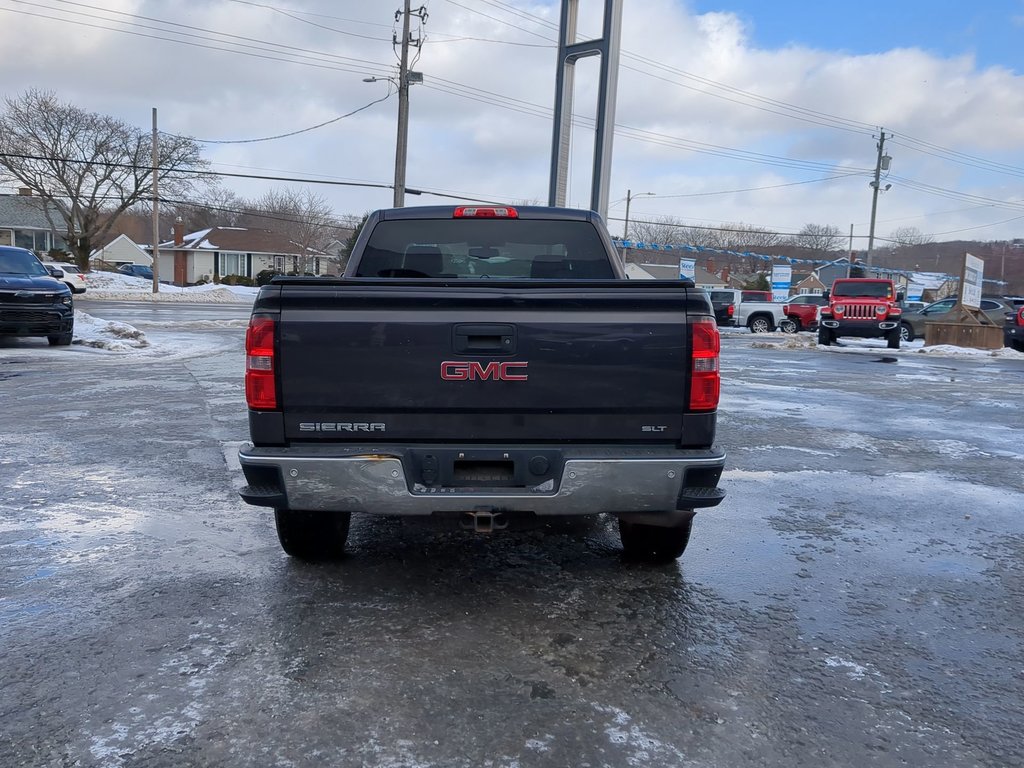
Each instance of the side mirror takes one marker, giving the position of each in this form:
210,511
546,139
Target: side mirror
899,296
54,272
826,294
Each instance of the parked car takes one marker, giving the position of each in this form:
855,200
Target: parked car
136,270
912,323
73,277
1013,329
34,301
862,307
802,312
750,309
912,306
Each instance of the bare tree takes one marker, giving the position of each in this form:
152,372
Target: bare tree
216,207
744,236
303,216
821,238
909,236
87,168
661,230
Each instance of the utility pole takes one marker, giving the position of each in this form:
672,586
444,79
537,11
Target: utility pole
625,227
629,198
156,210
402,142
849,258
881,164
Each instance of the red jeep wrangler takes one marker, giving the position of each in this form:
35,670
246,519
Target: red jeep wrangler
864,307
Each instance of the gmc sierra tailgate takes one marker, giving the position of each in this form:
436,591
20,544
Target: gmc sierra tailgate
485,361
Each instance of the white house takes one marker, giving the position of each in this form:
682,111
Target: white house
121,250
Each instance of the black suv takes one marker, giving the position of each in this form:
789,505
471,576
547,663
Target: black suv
33,300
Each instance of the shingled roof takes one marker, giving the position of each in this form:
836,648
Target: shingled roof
22,212
239,239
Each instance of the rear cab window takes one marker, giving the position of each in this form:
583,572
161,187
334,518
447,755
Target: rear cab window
485,249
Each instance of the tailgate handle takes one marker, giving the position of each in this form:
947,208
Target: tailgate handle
484,337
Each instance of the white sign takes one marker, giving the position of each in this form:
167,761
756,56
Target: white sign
782,276
688,269
970,288
915,291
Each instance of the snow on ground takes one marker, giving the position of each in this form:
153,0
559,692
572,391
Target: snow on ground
874,346
113,286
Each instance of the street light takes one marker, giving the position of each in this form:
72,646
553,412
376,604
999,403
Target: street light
629,197
402,140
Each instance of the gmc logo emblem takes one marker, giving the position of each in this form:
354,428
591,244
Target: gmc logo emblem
458,370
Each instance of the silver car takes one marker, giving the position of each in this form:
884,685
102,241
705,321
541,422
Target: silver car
912,324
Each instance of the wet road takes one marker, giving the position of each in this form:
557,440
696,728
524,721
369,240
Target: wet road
855,601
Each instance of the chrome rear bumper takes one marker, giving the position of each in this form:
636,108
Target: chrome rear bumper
376,483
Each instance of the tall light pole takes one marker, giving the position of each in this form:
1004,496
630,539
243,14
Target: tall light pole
882,164
629,198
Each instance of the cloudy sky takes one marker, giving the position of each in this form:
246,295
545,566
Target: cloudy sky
728,110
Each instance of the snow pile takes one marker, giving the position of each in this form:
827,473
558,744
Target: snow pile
787,341
106,334
949,350
113,286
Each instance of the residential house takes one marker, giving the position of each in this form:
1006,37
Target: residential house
121,250
807,283
833,270
212,254
702,279
23,223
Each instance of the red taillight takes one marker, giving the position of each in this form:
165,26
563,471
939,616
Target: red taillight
706,380
486,212
1020,316
260,389
731,310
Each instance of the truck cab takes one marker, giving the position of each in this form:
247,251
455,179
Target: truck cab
862,307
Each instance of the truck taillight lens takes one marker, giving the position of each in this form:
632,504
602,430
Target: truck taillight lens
260,386
731,311
706,380
1020,316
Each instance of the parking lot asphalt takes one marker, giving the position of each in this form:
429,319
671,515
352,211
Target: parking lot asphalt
854,602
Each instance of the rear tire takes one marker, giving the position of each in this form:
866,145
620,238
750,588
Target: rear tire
61,340
653,543
825,336
893,337
790,325
759,324
312,536
906,332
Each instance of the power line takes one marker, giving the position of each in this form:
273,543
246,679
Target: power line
758,189
312,23
296,133
136,167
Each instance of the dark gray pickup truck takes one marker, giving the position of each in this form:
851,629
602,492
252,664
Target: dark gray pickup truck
486,363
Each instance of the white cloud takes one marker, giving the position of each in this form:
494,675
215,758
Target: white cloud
471,144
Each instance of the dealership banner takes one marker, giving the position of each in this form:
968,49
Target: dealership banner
782,276
688,269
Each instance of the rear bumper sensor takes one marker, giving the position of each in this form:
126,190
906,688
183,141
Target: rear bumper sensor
378,484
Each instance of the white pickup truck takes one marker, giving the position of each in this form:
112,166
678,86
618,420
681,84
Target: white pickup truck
749,309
